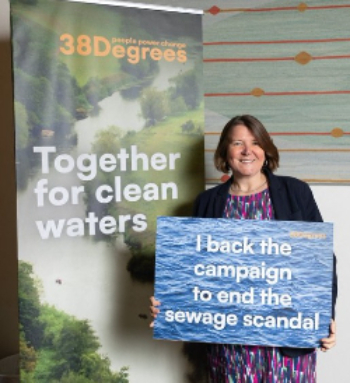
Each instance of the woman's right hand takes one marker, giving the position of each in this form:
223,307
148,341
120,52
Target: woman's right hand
154,310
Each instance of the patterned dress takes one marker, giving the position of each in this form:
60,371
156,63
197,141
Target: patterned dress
256,364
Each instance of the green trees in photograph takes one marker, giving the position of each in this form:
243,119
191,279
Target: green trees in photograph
154,105
184,95
57,347
138,68
29,306
28,356
187,86
68,93
34,93
50,94
22,126
107,141
96,91
27,2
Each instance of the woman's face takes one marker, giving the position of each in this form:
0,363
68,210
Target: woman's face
244,155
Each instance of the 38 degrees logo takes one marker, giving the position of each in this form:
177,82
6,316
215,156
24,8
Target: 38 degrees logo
100,46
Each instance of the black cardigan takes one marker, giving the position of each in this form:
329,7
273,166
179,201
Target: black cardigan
292,200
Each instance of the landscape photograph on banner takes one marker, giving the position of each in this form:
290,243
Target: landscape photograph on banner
264,283
109,128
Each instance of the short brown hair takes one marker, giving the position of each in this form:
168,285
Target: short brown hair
259,132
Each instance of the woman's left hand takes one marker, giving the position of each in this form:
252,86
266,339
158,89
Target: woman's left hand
328,343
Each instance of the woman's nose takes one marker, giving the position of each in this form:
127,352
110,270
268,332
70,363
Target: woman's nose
246,149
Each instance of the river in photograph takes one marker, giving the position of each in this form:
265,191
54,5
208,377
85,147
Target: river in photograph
88,279
124,113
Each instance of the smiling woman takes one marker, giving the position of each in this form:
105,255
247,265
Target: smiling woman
245,156
244,149
247,152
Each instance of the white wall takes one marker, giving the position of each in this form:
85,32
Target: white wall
333,201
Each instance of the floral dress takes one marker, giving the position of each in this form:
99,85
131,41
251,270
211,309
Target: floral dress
256,364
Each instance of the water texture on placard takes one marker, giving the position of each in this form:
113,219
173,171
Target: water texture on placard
287,290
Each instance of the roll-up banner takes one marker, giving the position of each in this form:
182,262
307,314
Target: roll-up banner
109,124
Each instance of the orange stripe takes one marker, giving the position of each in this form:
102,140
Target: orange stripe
329,6
309,8
318,180
330,57
305,93
225,94
275,42
258,9
300,150
248,59
304,133
289,133
315,150
252,59
326,180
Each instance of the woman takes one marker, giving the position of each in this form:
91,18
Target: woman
246,150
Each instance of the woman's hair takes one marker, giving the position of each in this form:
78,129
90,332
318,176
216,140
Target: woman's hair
258,131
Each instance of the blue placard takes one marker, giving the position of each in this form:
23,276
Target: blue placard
243,281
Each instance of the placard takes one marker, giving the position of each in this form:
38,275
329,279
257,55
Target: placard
243,281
